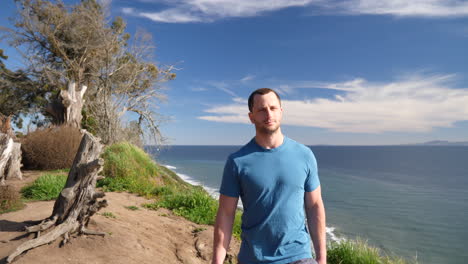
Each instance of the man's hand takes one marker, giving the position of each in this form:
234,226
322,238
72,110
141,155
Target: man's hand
315,212
223,227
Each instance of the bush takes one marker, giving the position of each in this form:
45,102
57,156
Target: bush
10,199
196,205
46,187
50,148
359,252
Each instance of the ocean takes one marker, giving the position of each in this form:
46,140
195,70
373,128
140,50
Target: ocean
410,201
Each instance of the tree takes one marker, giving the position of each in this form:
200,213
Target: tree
15,92
75,47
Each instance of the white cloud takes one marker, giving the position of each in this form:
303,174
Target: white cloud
425,8
223,87
172,15
198,89
128,10
186,11
411,104
247,78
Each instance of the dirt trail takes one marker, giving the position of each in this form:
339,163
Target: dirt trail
134,236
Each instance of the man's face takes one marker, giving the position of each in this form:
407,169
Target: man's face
266,113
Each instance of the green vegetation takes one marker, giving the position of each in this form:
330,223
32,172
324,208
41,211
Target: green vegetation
359,252
109,215
129,168
46,187
132,207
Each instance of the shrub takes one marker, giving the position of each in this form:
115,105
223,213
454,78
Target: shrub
196,205
46,187
10,199
359,252
50,148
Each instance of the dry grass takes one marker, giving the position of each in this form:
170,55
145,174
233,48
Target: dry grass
50,148
10,199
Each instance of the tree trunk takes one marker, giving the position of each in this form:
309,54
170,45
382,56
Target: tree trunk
10,152
77,202
67,108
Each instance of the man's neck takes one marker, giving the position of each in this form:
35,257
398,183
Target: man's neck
270,141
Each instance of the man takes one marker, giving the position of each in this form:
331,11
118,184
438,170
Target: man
276,179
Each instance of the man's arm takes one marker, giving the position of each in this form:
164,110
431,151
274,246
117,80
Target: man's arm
315,212
223,227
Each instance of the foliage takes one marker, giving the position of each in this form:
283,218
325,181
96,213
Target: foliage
196,205
359,252
10,199
51,148
129,168
15,96
80,44
46,187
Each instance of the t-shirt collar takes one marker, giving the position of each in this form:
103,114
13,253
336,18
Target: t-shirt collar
254,142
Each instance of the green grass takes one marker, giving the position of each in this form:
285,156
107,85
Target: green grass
132,207
109,215
360,252
196,205
129,168
46,187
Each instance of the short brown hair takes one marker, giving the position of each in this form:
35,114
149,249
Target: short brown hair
261,91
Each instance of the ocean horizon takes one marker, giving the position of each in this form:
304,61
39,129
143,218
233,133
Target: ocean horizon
408,200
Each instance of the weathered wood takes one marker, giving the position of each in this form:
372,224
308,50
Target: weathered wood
67,108
10,152
10,158
77,202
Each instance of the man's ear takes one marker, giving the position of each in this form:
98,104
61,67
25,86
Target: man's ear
250,117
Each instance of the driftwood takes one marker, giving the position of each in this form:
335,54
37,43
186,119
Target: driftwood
77,202
10,152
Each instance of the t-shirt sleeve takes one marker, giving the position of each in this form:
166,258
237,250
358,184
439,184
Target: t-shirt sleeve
312,179
230,183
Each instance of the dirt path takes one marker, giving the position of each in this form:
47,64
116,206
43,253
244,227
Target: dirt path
28,177
134,236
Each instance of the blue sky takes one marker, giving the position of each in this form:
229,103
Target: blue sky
355,72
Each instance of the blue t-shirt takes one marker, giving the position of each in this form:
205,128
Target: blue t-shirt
271,184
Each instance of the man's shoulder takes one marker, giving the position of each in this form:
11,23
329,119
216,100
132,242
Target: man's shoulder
243,151
297,146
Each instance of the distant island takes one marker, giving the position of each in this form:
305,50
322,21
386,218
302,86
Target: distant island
442,143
